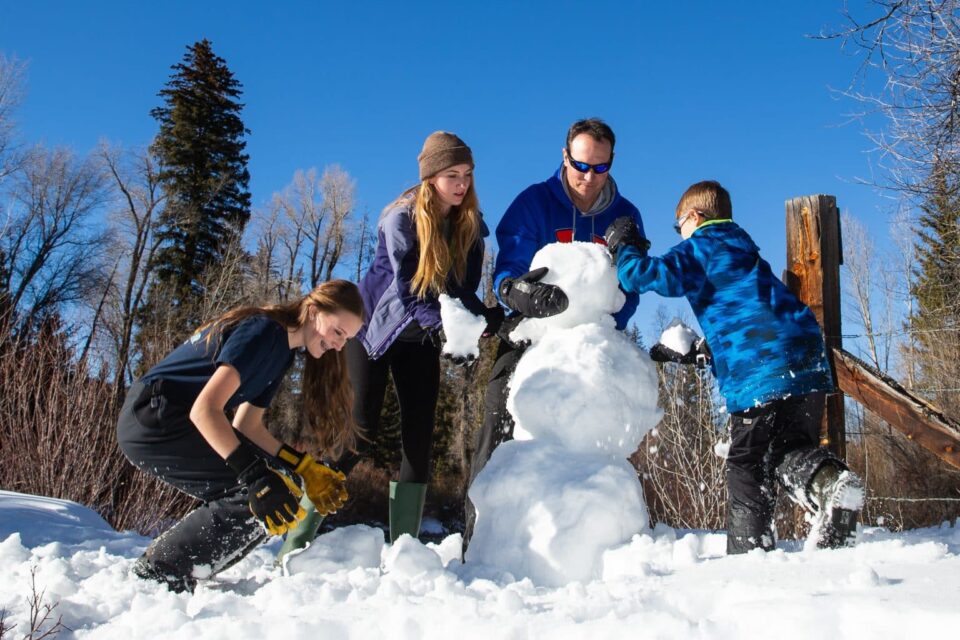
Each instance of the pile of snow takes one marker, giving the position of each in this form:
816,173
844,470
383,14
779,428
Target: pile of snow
551,502
661,584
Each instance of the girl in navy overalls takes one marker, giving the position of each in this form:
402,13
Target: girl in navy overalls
174,426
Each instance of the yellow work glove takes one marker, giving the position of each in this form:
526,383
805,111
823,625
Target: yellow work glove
274,498
326,488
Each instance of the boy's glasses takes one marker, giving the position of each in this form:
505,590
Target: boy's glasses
682,220
583,167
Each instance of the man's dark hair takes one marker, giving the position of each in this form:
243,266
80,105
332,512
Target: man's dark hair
595,127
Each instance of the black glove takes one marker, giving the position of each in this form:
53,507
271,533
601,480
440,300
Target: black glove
509,324
531,297
494,317
431,336
274,497
699,354
624,232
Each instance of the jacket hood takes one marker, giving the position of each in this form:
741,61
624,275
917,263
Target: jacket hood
608,197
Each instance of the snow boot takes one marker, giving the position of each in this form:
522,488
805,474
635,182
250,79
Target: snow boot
302,534
147,569
406,508
838,496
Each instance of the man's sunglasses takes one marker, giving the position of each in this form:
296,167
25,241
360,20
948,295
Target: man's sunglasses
583,167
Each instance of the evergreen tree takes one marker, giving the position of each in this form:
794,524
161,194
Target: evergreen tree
204,174
936,321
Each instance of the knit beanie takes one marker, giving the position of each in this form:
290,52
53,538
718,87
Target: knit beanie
442,150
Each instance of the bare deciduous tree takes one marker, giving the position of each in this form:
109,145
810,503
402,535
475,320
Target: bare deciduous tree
915,47
867,284
366,235
52,251
684,479
312,219
11,93
338,197
264,268
137,206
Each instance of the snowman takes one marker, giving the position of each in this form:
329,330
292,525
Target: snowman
551,501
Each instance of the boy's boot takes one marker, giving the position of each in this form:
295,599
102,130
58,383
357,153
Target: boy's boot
406,508
838,496
304,533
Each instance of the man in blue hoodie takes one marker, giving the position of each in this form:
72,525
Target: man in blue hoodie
576,204
769,360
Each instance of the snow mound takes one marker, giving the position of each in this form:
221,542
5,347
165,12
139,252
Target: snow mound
555,516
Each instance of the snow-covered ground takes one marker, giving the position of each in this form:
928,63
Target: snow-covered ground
662,584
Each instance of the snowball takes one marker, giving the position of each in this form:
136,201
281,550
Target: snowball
588,388
583,271
678,337
549,514
461,328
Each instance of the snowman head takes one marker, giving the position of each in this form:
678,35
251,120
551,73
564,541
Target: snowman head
583,271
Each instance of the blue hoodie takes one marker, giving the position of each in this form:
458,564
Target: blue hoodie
766,344
390,304
543,213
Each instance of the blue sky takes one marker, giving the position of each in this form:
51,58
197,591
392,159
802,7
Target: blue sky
733,91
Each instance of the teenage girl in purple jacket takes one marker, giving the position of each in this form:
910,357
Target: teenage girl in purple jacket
430,241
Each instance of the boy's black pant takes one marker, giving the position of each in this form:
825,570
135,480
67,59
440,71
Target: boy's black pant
497,422
157,436
416,376
777,441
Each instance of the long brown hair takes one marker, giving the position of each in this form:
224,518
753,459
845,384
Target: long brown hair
438,257
328,424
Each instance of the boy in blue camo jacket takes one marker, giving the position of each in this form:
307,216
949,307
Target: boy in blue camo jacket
769,359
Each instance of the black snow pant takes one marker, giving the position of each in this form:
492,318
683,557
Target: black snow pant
157,436
497,423
775,442
416,376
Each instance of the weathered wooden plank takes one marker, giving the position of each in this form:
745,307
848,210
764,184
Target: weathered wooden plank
919,420
813,274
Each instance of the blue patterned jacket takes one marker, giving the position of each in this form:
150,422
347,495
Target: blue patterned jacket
766,344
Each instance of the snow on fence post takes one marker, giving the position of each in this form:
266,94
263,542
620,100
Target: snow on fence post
814,256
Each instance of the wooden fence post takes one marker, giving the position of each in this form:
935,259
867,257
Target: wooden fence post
814,255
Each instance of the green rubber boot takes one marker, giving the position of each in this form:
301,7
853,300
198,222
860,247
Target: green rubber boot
305,531
406,508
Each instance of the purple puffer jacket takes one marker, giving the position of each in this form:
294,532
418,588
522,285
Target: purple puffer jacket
388,299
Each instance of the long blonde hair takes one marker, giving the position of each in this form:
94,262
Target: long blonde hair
327,417
438,257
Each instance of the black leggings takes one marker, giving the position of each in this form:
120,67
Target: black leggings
416,376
